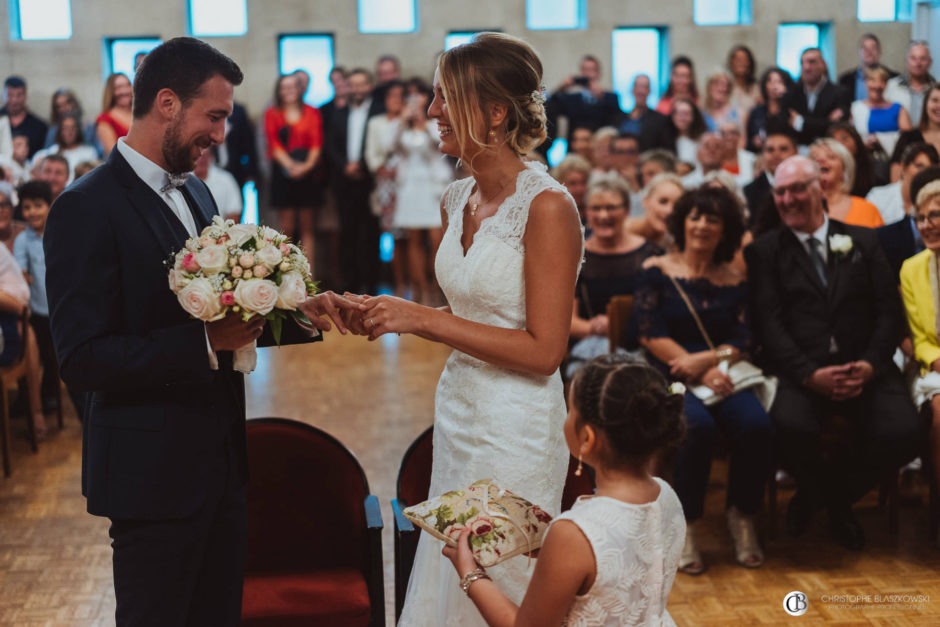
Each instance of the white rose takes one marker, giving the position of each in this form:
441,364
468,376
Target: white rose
840,243
241,233
258,295
213,259
269,256
199,300
292,291
177,280
268,233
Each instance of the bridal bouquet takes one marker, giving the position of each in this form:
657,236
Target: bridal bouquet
244,269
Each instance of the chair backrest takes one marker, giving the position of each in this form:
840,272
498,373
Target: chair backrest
618,317
305,499
414,474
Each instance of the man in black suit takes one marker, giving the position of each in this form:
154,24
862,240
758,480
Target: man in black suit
826,314
583,101
869,57
163,450
238,153
779,144
352,184
813,102
652,127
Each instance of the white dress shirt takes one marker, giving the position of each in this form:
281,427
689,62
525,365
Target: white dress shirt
889,200
225,192
356,130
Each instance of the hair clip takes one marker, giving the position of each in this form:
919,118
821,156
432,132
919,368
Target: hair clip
538,96
677,388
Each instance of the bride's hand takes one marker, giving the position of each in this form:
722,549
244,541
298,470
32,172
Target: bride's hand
461,556
388,314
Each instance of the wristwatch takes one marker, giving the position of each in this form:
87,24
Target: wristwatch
467,580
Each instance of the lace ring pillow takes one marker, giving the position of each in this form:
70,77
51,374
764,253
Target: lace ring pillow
501,524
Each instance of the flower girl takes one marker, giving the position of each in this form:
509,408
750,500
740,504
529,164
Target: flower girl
612,558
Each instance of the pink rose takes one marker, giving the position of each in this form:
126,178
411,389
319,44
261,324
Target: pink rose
223,239
258,295
246,260
285,249
199,300
237,271
480,526
207,241
453,532
260,271
189,263
227,298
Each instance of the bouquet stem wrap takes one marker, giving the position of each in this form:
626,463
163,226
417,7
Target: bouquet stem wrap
246,358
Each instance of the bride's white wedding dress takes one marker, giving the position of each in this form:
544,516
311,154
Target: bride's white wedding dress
490,422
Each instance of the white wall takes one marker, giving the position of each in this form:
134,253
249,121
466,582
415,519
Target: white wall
77,63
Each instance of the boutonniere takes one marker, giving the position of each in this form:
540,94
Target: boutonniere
840,245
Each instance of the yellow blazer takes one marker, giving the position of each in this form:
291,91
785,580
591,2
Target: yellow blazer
919,305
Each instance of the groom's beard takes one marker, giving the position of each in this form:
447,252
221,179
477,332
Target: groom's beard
176,154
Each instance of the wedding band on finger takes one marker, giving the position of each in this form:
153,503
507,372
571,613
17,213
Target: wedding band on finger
371,323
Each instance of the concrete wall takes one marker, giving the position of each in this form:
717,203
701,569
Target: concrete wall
77,62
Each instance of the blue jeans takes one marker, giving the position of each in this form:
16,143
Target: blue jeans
747,426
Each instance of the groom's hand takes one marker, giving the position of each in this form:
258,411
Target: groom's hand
331,305
231,333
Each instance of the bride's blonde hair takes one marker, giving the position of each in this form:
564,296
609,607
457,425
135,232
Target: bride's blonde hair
493,68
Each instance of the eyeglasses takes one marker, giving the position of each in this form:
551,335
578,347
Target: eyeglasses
624,151
931,218
796,189
608,208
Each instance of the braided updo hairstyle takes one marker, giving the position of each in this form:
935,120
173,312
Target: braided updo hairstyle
493,68
630,402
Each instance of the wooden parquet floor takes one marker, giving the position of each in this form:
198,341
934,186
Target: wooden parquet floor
55,560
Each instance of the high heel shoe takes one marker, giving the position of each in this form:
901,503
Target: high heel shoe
747,551
690,561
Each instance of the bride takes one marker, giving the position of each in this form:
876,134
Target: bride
507,264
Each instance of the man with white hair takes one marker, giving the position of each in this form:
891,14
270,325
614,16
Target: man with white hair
826,318
909,88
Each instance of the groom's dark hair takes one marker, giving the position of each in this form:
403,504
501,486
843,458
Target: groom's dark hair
182,64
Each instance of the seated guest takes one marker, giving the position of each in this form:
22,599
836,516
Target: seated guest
909,88
659,197
55,171
651,127
682,85
774,84
689,127
708,159
600,150
612,259
928,130
718,108
736,161
15,169
656,161
922,302
573,172
902,239
867,173
21,119
69,143
583,101
9,228
689,312
893,200
64,103
581,138
85,167
837,171
825,313
115,118
878,120
812,103
746,93
778,145
625,158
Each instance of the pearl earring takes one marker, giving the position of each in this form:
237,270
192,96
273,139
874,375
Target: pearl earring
577,471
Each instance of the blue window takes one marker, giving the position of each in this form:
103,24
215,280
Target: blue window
120,53
40,19
793,39
456,38
641,50
314,54
555,14
218,18
884,10
719,12
388,16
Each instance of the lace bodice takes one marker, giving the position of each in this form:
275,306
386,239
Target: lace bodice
636,549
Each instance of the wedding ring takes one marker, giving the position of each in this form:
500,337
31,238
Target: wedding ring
372,323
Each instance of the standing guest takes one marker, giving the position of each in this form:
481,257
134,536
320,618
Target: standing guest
656,161
778,145
69,143
902,239
581,138
9,228
690,126
876,119
238,154
927,131
55,171
303,81
718,108
708,159
387,71
340,94
869,58
908,89
736,161
894,200
583,101
573,172
774,85
836,174
681,85
825,311
866,175
164,453
659,197
224,188
15,169
294,133
22,121
689,312
746,93
116,115
812,103
352,185
919,289
64,103
652,127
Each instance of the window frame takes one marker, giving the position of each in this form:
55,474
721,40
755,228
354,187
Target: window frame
318,34
108,52
625,95
16,26
825,42
745,15
415,22
192,31
582,19
468,32
903,12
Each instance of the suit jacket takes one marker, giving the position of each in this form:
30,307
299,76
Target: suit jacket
796,318
920,308
580,112
898,242
849,78
154,408
756,193
335,146
815,122
242,150
656,131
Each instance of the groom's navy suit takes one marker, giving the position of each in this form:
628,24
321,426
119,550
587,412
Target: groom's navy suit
163,450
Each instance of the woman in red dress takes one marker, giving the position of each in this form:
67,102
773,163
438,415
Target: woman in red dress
116,115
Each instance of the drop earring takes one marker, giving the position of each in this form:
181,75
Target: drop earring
577,471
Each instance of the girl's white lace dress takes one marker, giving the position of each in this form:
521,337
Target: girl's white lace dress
490,422
636,548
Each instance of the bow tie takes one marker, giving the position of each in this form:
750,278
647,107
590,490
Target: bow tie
174,181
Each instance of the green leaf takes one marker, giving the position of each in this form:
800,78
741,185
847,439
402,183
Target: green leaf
276,324
301,317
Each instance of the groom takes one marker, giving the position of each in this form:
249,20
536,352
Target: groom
163,450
